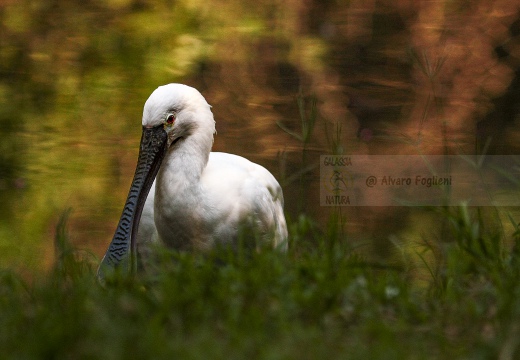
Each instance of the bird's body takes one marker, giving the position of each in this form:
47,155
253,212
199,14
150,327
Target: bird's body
199,198
232,192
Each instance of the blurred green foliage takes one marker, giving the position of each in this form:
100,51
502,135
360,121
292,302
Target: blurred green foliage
319,300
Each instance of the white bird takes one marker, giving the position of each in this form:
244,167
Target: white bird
198,198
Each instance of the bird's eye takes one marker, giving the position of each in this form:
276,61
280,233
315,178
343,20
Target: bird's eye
170,119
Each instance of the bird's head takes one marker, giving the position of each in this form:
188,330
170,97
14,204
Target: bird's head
180,110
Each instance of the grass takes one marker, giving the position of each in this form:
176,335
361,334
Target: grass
321,300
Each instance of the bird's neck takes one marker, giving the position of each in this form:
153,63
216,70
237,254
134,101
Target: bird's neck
185,162
182,167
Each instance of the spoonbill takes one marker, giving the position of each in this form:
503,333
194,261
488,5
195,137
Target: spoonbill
187,197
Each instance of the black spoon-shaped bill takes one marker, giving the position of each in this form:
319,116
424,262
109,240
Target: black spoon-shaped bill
121,253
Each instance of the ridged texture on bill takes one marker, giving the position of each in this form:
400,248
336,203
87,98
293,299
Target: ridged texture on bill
122,249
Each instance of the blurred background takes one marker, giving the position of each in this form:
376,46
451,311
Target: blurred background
386,77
